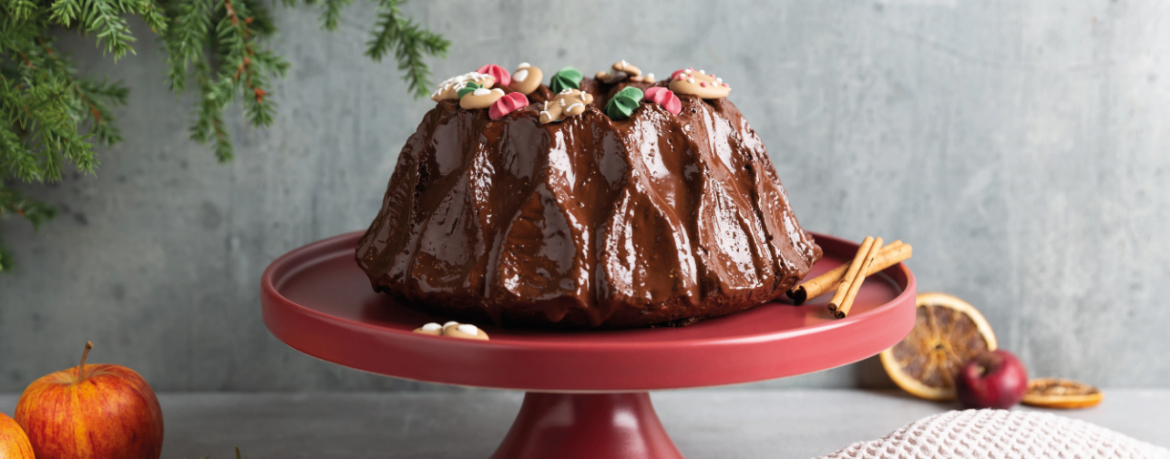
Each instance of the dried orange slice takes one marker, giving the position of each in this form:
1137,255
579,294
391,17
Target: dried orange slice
947,333
1064,394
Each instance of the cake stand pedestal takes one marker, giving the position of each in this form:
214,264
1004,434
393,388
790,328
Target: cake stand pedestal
587,391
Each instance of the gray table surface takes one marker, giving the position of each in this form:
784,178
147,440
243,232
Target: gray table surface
703,423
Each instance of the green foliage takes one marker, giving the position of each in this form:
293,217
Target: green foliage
54,116
410,42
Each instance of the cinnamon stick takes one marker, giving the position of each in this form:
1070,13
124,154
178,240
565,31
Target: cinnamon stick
890,255
851,273
855,284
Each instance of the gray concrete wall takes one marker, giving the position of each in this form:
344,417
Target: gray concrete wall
1019,145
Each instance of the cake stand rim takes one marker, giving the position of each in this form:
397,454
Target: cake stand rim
306,256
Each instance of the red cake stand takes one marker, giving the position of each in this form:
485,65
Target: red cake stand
586,390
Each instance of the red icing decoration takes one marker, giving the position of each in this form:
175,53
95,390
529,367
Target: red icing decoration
677,75
503,78
665,98
507,104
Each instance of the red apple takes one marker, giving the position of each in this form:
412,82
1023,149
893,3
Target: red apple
92,412
13,442
993,379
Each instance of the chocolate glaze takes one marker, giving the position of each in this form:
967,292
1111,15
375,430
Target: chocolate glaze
589,222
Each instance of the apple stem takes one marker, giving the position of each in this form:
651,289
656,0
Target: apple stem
84,355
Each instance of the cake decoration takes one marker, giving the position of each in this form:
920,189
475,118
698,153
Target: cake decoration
665,98
586,223
569,102
454,330
566,78
466,89
623,104
526,78
466,331
687,81
507,104
449,88
621,70
481,98
430,329
502,77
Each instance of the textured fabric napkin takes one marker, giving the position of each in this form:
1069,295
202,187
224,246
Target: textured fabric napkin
1001,434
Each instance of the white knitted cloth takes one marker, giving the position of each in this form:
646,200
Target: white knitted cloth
1001,434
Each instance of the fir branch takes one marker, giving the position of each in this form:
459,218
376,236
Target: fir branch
332,13
64,12
185,39
54,117
20,10
103,17
409,42
97,96
240,58
216,95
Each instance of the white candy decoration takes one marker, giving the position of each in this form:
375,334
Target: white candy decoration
523,65
432,327
468,329
481,92
520,75
448,324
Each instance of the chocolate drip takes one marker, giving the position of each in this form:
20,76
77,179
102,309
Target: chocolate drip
589,222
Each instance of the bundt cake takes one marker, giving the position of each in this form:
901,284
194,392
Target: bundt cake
614,201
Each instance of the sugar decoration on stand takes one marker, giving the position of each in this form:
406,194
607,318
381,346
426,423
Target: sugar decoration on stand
454,330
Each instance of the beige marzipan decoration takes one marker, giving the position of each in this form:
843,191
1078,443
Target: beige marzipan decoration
570,102
526,78
481,98
454,330
621,71
699,84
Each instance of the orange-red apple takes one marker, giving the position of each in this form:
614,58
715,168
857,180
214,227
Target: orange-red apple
92,412
13,442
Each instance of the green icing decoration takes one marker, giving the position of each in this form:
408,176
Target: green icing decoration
471,87
623,104
566,78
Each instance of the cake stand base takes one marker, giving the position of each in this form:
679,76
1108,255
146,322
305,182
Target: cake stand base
587,426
